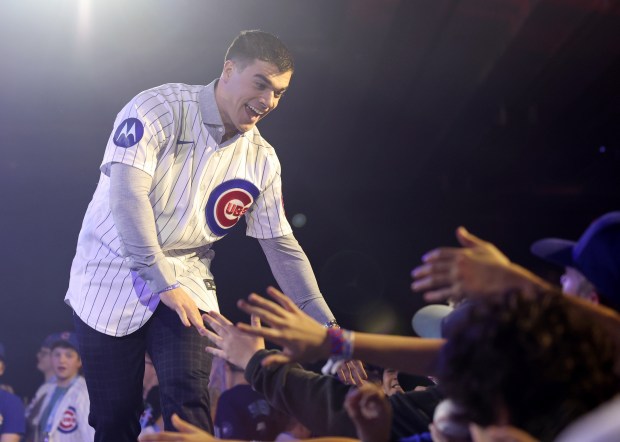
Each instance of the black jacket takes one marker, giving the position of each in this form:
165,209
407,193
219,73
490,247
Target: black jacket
317,400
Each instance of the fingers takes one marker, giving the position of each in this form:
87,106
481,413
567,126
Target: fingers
357,369
215,323
445,294
282,299
351,402
219,318
344,374
466,239
255,321
216,352
196,320
183,316
432,282
442,254
252,309
183,426
216,339
267,333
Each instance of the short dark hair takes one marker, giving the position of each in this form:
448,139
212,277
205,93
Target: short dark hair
541,360
258,45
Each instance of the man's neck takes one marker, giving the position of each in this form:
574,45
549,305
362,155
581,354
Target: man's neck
65,382
229,129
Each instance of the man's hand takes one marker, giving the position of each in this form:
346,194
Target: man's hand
370,412
187,433
233,345
349,372
303,339
477,269
179,301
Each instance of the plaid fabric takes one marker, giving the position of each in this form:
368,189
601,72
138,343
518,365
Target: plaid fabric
114,368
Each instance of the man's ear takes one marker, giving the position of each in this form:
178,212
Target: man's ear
227,71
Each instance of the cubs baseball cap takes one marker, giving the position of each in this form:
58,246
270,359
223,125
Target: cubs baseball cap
596,254
66,338
50,339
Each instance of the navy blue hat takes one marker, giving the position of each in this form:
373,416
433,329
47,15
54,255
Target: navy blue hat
50,339
64,339
596,254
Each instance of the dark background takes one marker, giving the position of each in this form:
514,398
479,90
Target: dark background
405,119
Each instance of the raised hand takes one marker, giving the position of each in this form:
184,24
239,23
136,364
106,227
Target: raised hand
302,338
232,344
475,270
370,412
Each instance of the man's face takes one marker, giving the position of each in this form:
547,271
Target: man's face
390,382
66,362
250,92
44,360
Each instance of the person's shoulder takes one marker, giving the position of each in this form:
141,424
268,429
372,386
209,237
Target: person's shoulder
254,137
10,400
171,93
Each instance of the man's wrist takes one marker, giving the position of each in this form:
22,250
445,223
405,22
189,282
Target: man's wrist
176,285
341,343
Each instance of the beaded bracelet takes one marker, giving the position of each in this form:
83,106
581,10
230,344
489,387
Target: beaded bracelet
341,343
176,285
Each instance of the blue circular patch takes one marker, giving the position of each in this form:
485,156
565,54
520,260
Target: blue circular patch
128,133
228,202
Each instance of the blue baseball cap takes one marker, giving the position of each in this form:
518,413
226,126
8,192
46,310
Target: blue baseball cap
65,338
596,254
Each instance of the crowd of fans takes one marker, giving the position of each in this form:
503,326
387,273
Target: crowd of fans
513,359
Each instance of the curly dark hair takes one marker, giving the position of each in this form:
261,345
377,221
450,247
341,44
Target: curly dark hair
536,363
258,45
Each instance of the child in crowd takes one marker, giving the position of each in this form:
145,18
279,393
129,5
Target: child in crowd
63,416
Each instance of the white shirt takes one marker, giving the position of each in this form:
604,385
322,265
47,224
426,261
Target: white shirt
200,190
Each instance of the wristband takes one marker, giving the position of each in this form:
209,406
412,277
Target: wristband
331,324
176,285
341,343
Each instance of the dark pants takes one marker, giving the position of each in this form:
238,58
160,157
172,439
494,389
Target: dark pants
114,369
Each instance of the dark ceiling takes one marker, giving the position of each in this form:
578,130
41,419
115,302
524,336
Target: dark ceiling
405,119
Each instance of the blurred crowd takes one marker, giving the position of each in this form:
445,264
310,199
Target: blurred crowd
500,355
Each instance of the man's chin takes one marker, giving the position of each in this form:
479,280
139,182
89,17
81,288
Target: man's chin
245,127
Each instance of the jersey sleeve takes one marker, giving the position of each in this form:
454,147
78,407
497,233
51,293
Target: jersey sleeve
142,130
266,218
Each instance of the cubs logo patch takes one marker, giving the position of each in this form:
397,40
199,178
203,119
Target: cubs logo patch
128,133
68,421
228,202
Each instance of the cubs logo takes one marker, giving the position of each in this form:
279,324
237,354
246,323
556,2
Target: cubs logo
227,203
68,421
128,133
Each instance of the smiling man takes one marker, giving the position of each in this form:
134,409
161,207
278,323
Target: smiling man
182,165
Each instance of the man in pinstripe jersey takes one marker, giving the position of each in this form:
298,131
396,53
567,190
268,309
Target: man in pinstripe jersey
182,165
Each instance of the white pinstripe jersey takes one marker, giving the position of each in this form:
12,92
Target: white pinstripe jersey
200,189
70,420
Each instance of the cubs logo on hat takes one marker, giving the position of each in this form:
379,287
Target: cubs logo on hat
227,203
66,338
596,254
